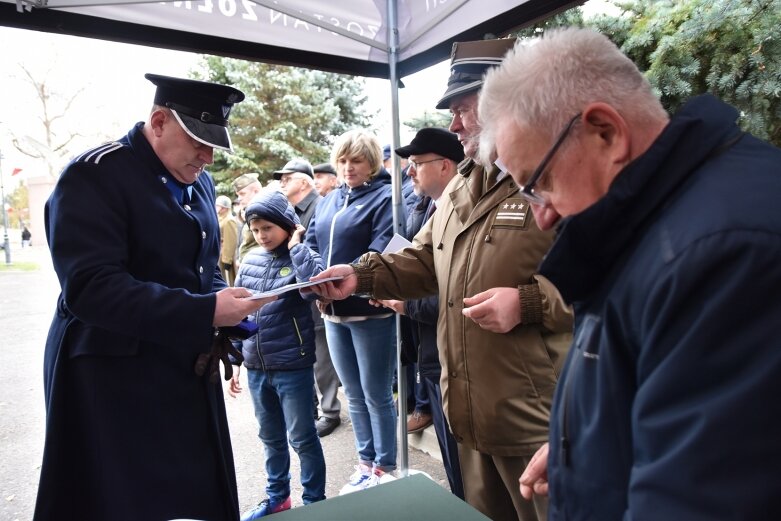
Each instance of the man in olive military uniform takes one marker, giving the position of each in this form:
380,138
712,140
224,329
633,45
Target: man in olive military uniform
246,187
503,330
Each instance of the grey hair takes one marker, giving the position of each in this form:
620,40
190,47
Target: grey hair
544,82
300,175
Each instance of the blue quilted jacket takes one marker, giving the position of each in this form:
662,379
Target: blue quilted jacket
286,334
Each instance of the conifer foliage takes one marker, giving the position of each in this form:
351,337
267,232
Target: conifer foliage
288,112
729,48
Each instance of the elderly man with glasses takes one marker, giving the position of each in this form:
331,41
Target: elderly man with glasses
668,248
502,330
296,180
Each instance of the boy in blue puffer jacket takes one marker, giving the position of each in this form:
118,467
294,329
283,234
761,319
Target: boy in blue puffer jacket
279,358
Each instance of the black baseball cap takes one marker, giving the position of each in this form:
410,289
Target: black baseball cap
434,140
295,165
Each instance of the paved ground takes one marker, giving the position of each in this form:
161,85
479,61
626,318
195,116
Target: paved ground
26,305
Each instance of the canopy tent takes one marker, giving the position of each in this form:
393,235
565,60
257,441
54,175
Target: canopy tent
349,36
378,38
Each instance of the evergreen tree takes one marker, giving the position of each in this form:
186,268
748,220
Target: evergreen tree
437,118
288,112
729,48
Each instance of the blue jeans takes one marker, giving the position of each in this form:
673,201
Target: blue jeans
284,409
364,355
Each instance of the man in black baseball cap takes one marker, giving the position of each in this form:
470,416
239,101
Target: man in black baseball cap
434,140
434,154
299,165
200,107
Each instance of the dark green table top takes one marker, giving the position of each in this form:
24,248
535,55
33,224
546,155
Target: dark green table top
410,498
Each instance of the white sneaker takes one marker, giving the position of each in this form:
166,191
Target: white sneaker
362,478
381,477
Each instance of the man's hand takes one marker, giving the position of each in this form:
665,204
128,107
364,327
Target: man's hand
232,306
234,387
336,289
395,305
497,309
534,479
322,305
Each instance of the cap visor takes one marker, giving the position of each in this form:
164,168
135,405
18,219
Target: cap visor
212,135
457,89
407,151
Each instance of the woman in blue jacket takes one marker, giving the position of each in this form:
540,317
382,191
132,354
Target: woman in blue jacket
350,221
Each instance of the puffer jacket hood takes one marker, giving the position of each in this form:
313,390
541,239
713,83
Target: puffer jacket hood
273,207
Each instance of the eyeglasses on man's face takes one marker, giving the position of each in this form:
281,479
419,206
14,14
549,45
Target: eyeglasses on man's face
285,180
416,164
527,190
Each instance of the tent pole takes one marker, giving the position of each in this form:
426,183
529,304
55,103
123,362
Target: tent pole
398,219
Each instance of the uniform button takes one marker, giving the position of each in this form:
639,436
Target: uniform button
203,235
487,238
200,269
164,179
452,375
450,303
187,207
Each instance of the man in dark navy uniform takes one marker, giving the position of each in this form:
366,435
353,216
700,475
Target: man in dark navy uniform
132,431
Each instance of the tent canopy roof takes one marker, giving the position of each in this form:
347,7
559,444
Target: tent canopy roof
349,36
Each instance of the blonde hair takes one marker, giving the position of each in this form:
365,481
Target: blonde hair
361,144
544,82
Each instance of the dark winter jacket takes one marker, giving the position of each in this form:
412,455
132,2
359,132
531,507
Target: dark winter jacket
667,407
286,335
422,313
349,222
131,431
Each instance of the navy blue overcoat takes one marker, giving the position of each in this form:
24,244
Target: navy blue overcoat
131,432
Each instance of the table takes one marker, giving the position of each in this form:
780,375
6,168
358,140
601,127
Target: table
409,498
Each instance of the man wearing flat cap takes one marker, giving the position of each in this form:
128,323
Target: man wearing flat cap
502,330
325,178
135,428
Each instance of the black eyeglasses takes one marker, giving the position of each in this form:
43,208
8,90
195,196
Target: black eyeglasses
527,191
416,164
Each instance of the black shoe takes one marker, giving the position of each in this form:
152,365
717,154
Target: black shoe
326,425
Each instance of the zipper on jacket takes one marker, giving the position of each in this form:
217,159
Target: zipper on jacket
257,313
333,225
298,334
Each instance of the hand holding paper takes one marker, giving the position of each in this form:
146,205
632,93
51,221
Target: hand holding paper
291,287
340,282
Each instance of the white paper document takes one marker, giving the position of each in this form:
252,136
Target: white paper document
397,243
291,287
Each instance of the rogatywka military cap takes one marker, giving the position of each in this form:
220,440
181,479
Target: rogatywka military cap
200,107
468,63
